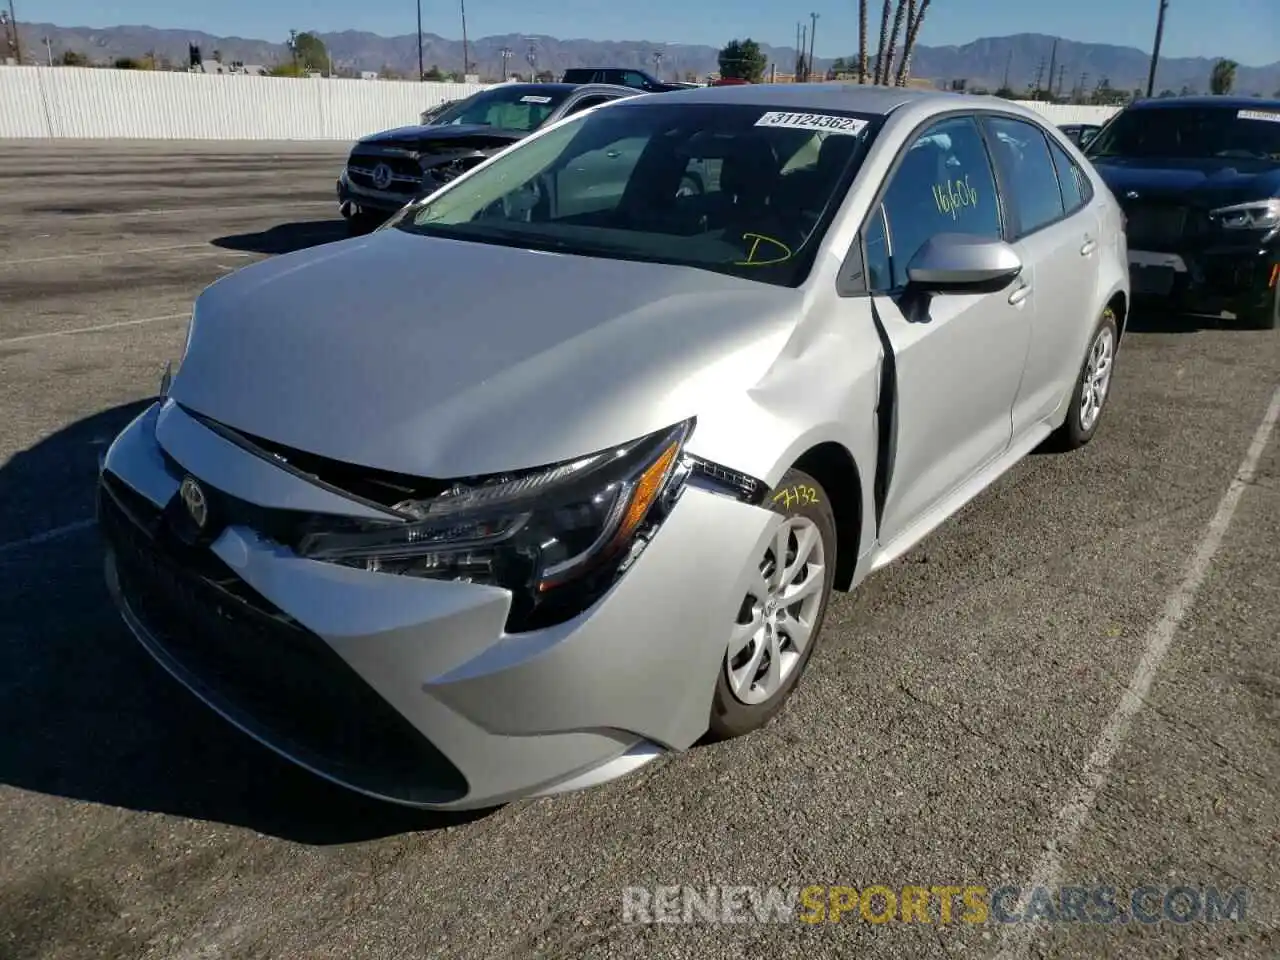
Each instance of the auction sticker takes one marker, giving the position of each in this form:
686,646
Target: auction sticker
812,121
1264,115
535,99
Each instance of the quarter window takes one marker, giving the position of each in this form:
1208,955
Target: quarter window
1029,174
944,184
1076,191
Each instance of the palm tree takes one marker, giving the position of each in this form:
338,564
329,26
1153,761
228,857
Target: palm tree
898,16
1223,77
862,41
913,32
879,77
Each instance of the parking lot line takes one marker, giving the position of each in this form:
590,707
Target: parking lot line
1073,815
105,253
65,530
27,337
275,204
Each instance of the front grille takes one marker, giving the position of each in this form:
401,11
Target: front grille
259,666
1155,226
406,174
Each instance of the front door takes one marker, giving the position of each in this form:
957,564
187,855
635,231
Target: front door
958,358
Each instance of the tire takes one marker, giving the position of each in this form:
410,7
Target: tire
1268,318
740,706
1082,423
362,223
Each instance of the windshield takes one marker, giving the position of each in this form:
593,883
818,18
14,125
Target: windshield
1199,132
737,189
520,108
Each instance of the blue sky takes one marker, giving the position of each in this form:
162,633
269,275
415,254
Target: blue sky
1246,30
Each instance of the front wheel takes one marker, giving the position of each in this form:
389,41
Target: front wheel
782,613
1093,387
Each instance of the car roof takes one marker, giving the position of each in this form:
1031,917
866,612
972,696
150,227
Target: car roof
604,88
862,98
549,87
1230,103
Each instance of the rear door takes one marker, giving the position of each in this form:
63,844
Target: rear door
1055,232
957,359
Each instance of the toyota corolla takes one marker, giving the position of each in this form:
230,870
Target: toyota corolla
557,471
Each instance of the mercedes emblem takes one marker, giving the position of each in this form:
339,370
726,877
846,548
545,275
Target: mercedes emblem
194,500
382,176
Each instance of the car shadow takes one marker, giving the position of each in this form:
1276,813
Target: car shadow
286,237
90,716
1144,319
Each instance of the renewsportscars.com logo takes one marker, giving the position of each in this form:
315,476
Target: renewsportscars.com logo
933,904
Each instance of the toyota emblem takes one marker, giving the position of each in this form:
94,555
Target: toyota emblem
194,500
382,176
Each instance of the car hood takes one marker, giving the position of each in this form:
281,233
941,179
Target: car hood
1209,183
443,358
417,137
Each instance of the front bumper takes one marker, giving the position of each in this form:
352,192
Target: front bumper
356,200
1238,279
403,688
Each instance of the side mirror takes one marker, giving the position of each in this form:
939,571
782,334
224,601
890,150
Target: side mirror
963,263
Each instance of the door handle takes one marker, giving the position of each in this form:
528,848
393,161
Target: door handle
1090,245
1020,294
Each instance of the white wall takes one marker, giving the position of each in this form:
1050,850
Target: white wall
91,103
88,103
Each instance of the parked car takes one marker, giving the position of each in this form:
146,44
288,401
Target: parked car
1199,181
557,471
618,76
386,170
1080,133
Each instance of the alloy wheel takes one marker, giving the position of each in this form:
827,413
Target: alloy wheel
778,615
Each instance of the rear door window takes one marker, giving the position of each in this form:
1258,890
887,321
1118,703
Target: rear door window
1028,172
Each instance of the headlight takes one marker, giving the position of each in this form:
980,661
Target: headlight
555,536
1255,215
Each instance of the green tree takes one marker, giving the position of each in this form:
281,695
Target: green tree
70,58
132,63
1223,77
310,52
742,60
433,73
1007,93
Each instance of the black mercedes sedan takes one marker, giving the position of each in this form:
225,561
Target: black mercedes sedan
386,170
1199,181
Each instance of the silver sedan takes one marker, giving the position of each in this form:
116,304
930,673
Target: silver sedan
557,471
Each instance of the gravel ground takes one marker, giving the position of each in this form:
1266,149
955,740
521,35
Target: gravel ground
962,698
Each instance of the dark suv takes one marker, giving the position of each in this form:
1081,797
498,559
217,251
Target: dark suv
387,170
636,79
1199,181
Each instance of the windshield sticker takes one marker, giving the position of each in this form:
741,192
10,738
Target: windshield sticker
954,196
532,99
1263,115
812,121
771,246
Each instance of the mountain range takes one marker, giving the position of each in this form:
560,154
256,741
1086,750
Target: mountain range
983,62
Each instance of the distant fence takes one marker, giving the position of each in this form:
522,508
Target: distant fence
86,103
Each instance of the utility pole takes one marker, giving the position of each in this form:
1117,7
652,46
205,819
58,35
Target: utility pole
422,72
466,66
1008,65
1039,76
802,67
1155,49
1062,72
17,41
1084,79
799,50
813,32
532,57
1053,65
657,65
48,47
505,53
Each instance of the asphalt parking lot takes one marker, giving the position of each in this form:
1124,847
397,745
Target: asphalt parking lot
1077,679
